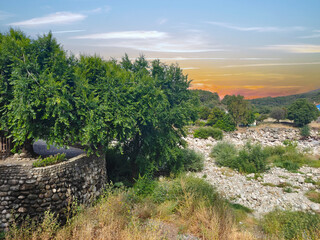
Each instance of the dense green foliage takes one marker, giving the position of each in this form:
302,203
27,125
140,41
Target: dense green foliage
51,160
278,113
269,102
291,225
250,159
305,131
207,99
219,119
49,95
239,109
205,132
289,157
302,112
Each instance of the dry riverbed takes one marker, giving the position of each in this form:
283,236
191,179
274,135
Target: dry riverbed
276,188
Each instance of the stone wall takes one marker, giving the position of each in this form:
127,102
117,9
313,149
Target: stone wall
32,191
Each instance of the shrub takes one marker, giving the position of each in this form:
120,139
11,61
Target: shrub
176,190
305,131
291,225
191,160
51,160
250,159
224,154
205,132
289,157
144,185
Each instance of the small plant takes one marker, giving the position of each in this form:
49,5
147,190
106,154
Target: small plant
51,160
305,131
205,132
291,225
288,190
310,180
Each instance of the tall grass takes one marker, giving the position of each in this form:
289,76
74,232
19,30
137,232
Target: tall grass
174,209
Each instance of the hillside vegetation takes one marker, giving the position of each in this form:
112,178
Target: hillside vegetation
312,96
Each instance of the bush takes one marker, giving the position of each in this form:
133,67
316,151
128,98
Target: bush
51,160
291,225
176,190
205,132
289,157
224,154
144,185
250,159
191,160
305,131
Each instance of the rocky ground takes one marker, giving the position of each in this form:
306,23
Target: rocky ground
277,188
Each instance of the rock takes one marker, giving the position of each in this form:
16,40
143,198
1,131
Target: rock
315,207
22,210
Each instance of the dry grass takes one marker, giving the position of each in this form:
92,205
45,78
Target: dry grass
315,125
120,216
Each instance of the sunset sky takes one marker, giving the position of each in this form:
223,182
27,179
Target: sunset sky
255,48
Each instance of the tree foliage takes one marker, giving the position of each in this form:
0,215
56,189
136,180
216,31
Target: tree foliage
278,113
47,94
302,112
239,109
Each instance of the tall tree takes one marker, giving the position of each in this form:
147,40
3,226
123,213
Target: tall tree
239,110
302,112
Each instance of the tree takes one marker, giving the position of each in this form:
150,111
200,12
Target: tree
42,105
215,115
239,110
278,113
302,112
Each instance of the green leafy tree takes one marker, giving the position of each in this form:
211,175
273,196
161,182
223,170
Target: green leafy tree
42,104
302,112
278,113
215,115
239,110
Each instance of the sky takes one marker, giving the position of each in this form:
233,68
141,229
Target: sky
255,48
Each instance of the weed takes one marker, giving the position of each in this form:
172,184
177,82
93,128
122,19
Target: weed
51,160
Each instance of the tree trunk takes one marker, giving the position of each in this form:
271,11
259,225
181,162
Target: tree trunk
27,148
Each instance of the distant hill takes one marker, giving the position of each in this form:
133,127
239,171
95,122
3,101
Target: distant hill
313,96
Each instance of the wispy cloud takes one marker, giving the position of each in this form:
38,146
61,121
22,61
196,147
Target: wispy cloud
296,48
125,35
4,15
256,29
55,18
103,9
152,41
315,35
271,64
68,31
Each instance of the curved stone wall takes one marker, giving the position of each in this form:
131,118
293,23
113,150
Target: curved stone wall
32,191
